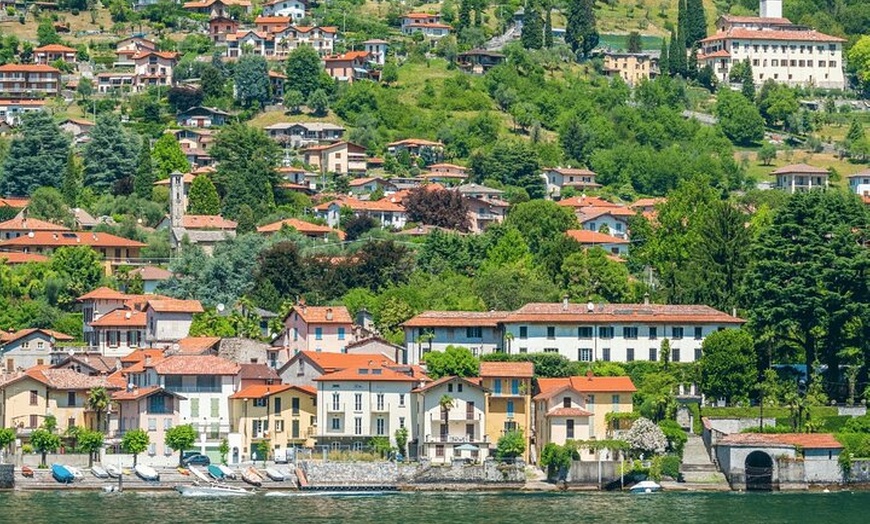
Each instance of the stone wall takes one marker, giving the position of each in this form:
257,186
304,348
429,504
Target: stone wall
490,471
852,411
791,473
351,473
860,473
7,476
390,474
586,472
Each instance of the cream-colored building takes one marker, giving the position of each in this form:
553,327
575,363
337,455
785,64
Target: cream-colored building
509,404
283,415
151,408
576,408
343,158
801,177
464,434
631,67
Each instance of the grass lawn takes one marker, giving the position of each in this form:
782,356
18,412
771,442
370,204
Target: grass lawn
769,412
276,117
758,172
78,23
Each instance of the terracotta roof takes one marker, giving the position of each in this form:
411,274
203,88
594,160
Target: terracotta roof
330,362
95,361
28,68
195,365
6,338
273,20
319,314
756,20
647,202
571,171
30,224
800,169
473,382
356,182
415,142
54,48
66,378
421,16
207,222
568,412
121,318
141,354
196,345
258,372
430,25
15,257
175,306
803,440
586,201
507,369
60,239
588,213
584,384
167,55
374,373
13,201
648,313
151,273
717,54
103,293
350,55
456,319
585,236
306,228
137,393
742,33
186,178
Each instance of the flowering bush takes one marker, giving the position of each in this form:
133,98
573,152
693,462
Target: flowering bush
645,437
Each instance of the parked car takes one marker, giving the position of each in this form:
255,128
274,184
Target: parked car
196,459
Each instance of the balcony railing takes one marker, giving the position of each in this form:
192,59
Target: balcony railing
335,408
193,389
457,439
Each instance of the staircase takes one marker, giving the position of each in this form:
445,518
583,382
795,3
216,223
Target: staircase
697,468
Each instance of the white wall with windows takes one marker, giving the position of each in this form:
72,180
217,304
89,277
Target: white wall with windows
479,339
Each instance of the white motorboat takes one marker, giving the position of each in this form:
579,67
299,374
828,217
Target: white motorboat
77,473
228,473
146,472
213,490
198,473
99,472
275,475
113,471
646,486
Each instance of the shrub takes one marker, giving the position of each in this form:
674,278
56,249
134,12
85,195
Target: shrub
675,434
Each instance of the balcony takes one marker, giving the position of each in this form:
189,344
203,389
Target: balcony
456,439
383,407
193,389
335,408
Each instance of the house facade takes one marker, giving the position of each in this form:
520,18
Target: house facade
558,178
343,158
152,409
119,332
26,348
591,239
509,404
48,54
387,213
29,81
801,177
859,183
436,330
317,328
304,367
283,415
455,429
202,117
169,320
633,68
301,134
154,68
294,9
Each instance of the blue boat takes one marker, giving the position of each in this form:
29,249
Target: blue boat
216,472
62,474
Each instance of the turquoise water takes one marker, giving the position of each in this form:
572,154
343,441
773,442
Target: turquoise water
441,508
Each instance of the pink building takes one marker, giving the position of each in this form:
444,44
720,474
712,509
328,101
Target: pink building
150,408
311,328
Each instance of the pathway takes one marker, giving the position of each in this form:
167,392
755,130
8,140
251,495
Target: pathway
698,469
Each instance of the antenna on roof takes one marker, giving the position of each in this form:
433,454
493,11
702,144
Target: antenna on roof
590,307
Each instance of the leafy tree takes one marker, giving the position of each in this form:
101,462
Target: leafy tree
203,198
741,72
646,437
738,118
582,134
212,81
591,275
532,36
98,401
167,156
580,27
47,203
859,61
664,63
453,361
401,438
767,153
73,181
7,437
438,207
252,80
777,103
90,442
37,155
855,132
728,365
80,268
304,70
675,434
359,225
513,163
46,34
182,98
44,442
548,23
143,185
390,73
292,100
224,450
246,172
696,22
319,102
540,221
511,445
180,438
272,282
110,154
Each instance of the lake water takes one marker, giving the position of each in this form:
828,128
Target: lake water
489,508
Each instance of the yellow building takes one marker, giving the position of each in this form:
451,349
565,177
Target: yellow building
509,402
283,414
631,67
27,398
576,408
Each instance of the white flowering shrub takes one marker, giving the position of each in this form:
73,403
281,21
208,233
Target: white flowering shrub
646,437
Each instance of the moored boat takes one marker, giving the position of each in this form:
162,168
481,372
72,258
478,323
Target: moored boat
252,476
216,472
27,471
275,475
62,474
99,472
196,472
228,473
646,486
146,472
113,471
214,490
77,473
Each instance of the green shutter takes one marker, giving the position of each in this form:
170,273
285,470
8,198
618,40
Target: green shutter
194,408
215,407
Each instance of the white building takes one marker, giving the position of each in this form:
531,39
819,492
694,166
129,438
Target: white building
295,9
119,332
777,49
356,404
169,320
801,177
464,434
96,304
435,330
377,50
859,183
560,177
589,239
28,347
317,328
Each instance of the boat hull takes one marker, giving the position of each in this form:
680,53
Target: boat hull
62,474
212,491
147,473
216,472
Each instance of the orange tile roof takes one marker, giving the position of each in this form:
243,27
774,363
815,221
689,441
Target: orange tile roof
141,354
195,365
14,201
6,338
61,239
803,440
167,55
15,257
647,202
568,412
319,314
151,273
615,313
718,54
330,362
121,318
66,378
103,293
430,25
374,373
207,222
350,55
448,166
588,213
30,224
472,381
571,171
456,319
28,68
756,20
262,391
186,178
196,345
174,305
421,16
273,20
415,142
507,369
54,48
802,169
363,205
586,201
306,228
584,384
585,236
742,33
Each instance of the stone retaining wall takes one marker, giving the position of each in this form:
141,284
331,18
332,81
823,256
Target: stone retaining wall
351,473
489,472
7,476
391,474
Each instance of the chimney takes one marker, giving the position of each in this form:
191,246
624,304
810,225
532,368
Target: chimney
329,313
565,303
734,312
589,374
646,299
147,360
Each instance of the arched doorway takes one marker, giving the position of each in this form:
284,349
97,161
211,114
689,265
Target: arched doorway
759,471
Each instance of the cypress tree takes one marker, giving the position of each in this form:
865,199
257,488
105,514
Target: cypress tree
664,65
464,14
73,179
580,28
696,22
677,55
203,199
144,181
532,36
548,24
692,66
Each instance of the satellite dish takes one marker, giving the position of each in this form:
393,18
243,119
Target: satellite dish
127,315
590,307
221,307
30,234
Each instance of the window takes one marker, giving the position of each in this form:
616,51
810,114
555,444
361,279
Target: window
380,427
357,426
152,424
524,350
215,408
34,397
380,401
459,388
496,386
653,333
629,332
318,333
194,408
515,386
653,354
774,62
569,428
584,332
474,332
566,402
40,344
278,404
401,422
832,64
279,425
699,333
697,354
755,61
439,450
167,424
336,423
113,338
34,421
335,402
675,354
605,332
260,402
357,401
71,398
510,408
584,354
629,354
676,333
614,399
551,332
401,400
605,354
341,333
551,350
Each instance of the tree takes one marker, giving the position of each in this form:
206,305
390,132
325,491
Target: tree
548,23
453,361
580,28
46,34
540,221
80,268
168,157
438,207
532,36
203,198
390,73
98,401
855,133
859,60
212,82
272,282
143,185
696,22
510,162
647,438
109,155
319,102
738,118
292,100
511,444
252,80
304,70
767,153
37,155
73,181
633,43
359,225
741,73
180,438
582,134
264,448
728,365
591,276
7,437
224,450
135,441
246,173
777,103
44,442
677,60
401,437
47,203
182,98
664,63
90,442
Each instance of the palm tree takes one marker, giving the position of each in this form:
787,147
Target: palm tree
98,401
446,403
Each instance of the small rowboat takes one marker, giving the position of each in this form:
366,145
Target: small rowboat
77,473
228,473
146,472
252,476
216,472
212,491
99,472
27,471
275,475
196,472
113,471
62,474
